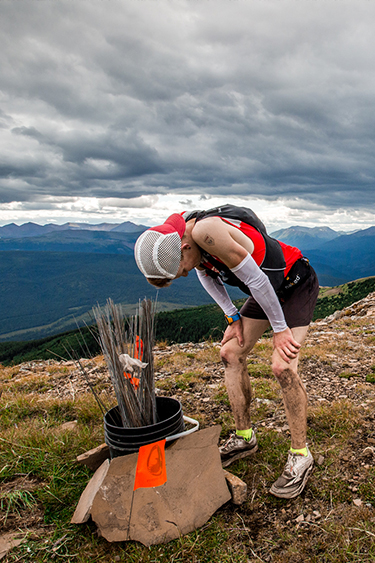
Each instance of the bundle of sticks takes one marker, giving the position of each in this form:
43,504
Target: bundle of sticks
127,345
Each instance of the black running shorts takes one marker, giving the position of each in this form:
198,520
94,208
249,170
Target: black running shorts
298,308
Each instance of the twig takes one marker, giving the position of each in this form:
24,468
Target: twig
316,525
20,445
73,392
257,556
365,531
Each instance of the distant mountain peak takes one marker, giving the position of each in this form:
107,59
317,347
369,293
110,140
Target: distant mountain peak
305,238
323,231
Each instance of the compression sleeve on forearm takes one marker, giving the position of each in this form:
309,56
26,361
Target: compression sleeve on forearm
262,291
216,289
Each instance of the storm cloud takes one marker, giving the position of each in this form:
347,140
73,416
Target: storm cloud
111,99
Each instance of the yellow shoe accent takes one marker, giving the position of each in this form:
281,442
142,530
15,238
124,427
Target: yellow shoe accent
246,434
303,451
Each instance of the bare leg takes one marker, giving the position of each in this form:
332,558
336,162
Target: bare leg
294,393
237,378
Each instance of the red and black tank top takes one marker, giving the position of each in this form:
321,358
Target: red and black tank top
273,257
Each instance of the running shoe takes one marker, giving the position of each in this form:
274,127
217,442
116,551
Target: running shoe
293,480
237,447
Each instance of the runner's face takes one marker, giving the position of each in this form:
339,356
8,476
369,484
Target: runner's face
183,271
190,259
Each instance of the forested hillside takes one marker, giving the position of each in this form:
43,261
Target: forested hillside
335,299
45,293
182,325
51,282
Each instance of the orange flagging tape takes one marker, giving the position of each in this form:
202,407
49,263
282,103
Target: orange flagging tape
151,470
138,354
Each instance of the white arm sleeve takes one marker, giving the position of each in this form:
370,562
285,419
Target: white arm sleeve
262,291
216,289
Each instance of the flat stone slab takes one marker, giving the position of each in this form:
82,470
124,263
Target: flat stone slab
9,541
95,457
195,489
83,510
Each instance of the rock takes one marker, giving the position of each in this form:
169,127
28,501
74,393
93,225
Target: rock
195,489
8,541
300,518
320,460
82,512
237,487
71,425
95,457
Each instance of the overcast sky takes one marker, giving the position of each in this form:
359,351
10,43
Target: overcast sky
115,110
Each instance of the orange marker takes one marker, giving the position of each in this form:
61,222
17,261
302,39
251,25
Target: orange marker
151,470
138,354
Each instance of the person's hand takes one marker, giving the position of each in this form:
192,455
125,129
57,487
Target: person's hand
233,331
285,344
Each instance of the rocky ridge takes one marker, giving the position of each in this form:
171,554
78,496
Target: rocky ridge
337,362
337,366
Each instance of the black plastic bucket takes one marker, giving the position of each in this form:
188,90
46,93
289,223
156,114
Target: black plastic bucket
123,441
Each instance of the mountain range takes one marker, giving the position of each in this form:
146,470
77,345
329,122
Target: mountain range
51,276
104,238
336,257
306,237
34,230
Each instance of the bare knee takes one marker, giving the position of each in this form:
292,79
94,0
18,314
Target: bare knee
231,354
285,376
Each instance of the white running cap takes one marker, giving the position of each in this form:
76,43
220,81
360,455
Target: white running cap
158,250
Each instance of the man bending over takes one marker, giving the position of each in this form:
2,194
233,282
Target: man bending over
230,244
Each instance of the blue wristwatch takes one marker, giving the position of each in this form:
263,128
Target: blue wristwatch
234,318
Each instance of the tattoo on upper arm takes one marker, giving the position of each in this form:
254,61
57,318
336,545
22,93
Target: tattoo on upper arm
209,240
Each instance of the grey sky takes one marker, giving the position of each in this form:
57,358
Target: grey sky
121,109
